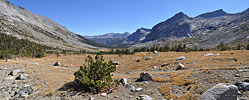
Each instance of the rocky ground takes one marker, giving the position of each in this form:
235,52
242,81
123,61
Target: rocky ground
165,76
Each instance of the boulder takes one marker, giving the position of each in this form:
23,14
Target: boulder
115,63
57,64
154,67
164,64
139,89
137,60
130,87
148,58
23,94
244,86
180,66
222,91
7,60
123,81
15,72
22,77
144,97
209,54
180,58
146,76
155,52
103,94
9,78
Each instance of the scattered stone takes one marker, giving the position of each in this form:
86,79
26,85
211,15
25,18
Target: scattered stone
234,59
10,78
23,94
57,64
130,87
222,91
22,77
154,67
155,52
16,58
115,63
244,86
123,81
115,96
7,60
103,94
218,54
137,60
144,97
242,70
148,58
164,64
209,54
145,82
237,75
91,98
36,92
139,89
180,58
146,76
180,66
15,72
35,63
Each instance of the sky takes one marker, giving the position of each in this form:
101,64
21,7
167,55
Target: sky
96,17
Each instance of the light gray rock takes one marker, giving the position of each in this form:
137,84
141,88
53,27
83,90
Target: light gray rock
180,58
22,77
180,66
24,94
115,63
148,58
9,78
155,52
103,94
15,72
154,67
123,81
144,97
244,86
57,64
115,96
91,98
222,91
237,75
146,76
165,64
7,60
130,87
139,89
209,54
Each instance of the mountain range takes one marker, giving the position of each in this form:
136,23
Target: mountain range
205,30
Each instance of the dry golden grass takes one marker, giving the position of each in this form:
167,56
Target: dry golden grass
58,76
160,79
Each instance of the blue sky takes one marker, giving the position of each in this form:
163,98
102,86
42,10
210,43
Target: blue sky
94,17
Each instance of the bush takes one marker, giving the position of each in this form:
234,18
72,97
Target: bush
95,76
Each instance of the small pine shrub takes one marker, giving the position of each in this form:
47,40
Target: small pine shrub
95,76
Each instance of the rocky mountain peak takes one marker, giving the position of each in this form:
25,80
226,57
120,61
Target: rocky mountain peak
217,13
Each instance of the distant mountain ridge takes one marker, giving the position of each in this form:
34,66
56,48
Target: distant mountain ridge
109,39
205,30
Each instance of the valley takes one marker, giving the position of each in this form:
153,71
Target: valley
202,71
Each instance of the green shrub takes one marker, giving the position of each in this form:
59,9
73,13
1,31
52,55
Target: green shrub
95,76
